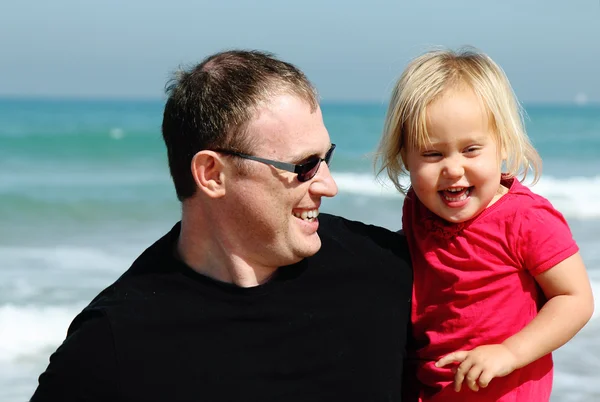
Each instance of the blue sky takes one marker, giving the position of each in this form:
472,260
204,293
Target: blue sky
351,50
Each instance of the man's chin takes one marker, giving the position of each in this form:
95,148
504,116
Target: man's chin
311,246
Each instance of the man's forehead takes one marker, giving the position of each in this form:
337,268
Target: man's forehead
287,125
279,105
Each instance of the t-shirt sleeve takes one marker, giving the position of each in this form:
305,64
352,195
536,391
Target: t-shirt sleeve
84,367
545,238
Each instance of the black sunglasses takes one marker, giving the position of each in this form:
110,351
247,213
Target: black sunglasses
305,171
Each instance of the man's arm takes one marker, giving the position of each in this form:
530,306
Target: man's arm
83,368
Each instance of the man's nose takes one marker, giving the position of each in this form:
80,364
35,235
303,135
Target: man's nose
323,183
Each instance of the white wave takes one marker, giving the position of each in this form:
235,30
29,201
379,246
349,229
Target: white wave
365,184
28,330
63,258
596,292
60,178
575,197
116,133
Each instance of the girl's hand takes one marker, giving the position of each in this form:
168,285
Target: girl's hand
478,366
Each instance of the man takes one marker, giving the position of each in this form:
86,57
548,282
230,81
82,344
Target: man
250,297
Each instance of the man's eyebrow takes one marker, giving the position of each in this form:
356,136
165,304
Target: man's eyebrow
307,154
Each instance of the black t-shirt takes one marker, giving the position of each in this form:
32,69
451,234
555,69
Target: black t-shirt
330,328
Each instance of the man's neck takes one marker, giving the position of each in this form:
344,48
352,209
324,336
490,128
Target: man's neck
211,256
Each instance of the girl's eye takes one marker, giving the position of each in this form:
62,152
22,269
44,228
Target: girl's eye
431,154
472,149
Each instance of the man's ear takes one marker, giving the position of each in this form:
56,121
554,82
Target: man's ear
207,170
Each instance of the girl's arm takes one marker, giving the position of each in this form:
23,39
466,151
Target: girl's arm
569,307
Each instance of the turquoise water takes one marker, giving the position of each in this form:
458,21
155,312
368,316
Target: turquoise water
84,187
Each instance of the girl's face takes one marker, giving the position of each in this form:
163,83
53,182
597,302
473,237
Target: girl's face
457,175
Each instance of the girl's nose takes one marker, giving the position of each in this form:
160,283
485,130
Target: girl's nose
453,169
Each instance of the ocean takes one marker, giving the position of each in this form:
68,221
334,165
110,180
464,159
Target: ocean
84,188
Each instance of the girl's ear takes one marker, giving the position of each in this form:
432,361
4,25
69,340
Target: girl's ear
503,153
403,156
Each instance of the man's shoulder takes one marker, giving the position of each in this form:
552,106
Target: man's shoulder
148,277
351,234
338,225
363,253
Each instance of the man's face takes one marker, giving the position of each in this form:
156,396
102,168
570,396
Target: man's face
272,211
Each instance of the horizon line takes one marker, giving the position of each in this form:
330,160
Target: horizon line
137,98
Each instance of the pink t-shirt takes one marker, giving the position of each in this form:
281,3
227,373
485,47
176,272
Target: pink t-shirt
474,285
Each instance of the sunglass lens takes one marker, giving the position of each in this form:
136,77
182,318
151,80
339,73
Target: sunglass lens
309,170
329,154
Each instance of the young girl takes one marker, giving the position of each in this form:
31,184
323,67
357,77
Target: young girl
498,280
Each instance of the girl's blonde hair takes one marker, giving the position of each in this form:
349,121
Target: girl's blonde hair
424,80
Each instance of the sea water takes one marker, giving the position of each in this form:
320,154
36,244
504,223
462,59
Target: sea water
84,188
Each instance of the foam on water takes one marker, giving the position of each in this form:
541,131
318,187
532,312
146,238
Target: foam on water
575,197
365,184
31,329
61,178
596,291
28,330
62,275
62,258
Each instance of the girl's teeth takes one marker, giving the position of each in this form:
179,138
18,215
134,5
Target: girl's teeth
462,197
